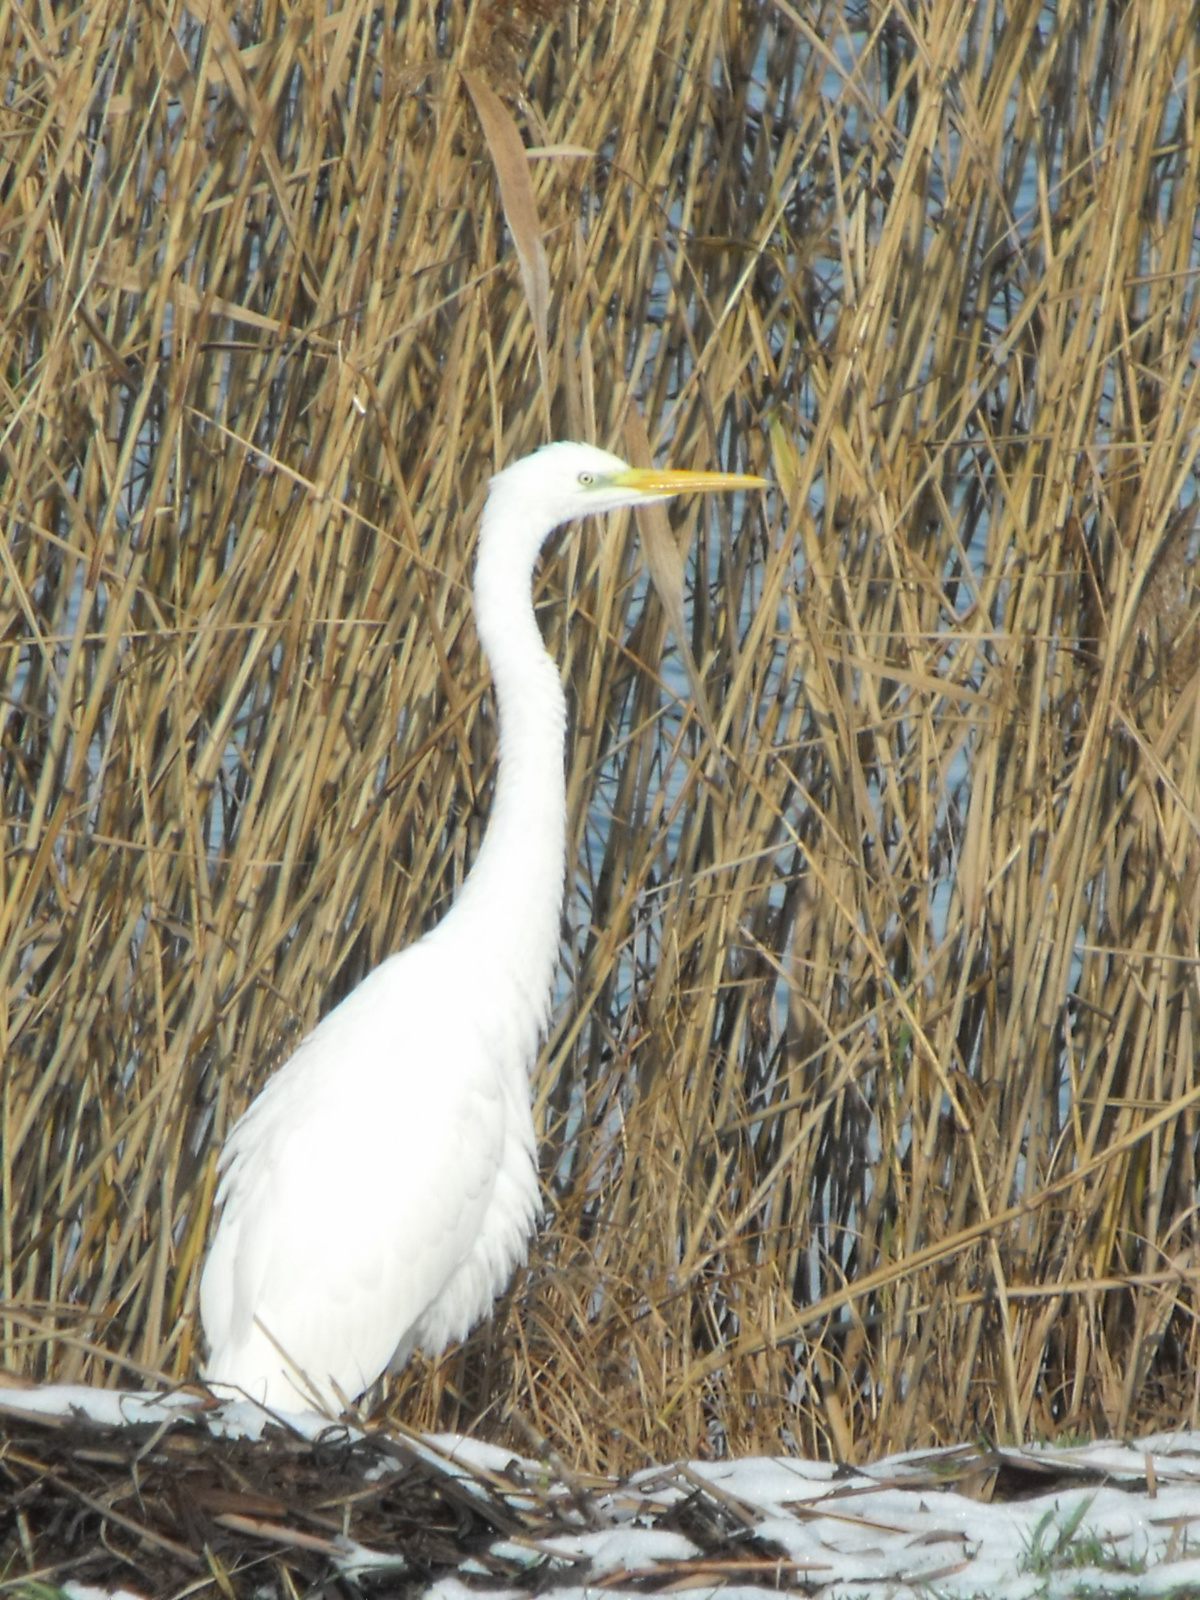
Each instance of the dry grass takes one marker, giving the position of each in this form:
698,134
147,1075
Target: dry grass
870,1111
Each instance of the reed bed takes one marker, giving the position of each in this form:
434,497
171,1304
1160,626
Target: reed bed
869,1113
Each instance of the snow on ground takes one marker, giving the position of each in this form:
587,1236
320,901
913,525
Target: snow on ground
1111,1518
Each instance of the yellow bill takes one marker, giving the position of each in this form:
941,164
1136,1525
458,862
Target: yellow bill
678,480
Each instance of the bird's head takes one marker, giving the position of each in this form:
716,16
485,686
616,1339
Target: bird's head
563,481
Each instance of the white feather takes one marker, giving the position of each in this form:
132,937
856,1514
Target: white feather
377,1195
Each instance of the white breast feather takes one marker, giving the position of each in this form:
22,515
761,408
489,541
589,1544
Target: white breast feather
376,1195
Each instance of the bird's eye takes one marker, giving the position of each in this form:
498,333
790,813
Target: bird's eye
586,480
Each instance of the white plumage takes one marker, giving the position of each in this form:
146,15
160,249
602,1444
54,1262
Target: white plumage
379,1192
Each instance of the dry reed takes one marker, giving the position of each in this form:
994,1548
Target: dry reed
870,1109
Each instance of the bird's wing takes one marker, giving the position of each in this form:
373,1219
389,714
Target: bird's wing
357,1183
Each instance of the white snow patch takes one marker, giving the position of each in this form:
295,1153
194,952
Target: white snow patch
114,1408
88,1591
621,1549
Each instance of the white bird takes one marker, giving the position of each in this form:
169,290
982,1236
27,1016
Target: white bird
377,1195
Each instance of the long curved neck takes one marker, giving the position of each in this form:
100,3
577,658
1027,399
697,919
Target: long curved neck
510,907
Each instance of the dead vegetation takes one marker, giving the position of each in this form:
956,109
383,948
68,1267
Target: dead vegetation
870,1106
172,1505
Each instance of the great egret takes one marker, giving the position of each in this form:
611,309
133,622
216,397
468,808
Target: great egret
378,1193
